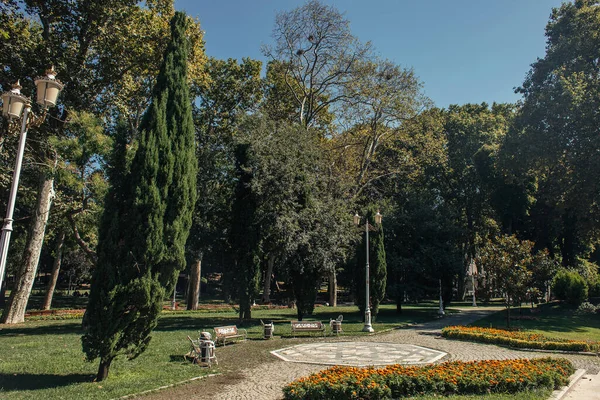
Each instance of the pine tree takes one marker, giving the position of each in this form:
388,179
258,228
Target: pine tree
147,218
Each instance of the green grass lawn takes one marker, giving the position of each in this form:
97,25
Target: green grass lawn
43,359
533,395
552,320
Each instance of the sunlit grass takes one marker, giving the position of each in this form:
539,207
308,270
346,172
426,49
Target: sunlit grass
43,359
553,320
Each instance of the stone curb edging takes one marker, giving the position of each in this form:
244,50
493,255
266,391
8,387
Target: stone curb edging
573,379
579,353
132,395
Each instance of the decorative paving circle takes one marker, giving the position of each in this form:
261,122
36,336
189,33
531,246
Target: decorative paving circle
359,354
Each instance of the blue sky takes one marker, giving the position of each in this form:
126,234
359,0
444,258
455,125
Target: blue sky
464,51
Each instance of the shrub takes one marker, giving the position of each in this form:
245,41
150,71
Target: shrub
594,288
586,308
570,287
456,377
517,339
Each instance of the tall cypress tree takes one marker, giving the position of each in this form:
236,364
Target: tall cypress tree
245,276
147,218
378,273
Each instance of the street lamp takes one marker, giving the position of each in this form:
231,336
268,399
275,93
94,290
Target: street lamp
15,106
367,327
441,309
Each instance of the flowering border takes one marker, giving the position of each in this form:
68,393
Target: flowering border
519,339
456,377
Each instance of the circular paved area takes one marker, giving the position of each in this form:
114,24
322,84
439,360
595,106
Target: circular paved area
266,380
358,354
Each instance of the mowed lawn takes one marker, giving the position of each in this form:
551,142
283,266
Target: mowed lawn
43,359
553,320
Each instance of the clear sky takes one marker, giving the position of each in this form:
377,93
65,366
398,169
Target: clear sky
464,51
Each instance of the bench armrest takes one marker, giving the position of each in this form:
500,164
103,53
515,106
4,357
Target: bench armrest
242,331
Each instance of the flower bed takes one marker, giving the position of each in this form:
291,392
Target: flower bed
56,314
519,339
457,377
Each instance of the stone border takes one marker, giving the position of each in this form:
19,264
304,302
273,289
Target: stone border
132,395
573,379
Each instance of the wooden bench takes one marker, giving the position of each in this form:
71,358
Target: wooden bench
307,326
222,333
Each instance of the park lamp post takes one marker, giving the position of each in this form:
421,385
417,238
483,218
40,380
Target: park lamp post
15,106
368,327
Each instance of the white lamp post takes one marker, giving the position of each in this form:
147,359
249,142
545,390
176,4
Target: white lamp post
15,106
441,309
368,327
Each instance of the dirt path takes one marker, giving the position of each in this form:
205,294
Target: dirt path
249,371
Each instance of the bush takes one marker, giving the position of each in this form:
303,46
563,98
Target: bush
594,288
570,287
586,308
456,377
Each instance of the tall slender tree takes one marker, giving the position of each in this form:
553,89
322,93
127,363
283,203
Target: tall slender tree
245,234
378,275
157,197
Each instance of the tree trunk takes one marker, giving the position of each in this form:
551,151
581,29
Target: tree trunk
60,241
508,313
399,306
267,285
194,286
333,289
103,370
245,312
15,309
3,294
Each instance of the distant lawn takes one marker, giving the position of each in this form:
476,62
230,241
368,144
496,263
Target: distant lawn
533,395
553,320
43,359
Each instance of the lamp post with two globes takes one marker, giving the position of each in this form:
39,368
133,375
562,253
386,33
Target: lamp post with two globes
15,106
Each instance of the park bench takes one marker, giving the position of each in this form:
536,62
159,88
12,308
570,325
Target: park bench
223,333
307,326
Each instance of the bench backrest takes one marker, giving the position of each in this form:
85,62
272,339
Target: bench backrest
226,330
307,325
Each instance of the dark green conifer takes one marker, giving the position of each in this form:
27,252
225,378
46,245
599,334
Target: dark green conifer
245,276
378,273
147,218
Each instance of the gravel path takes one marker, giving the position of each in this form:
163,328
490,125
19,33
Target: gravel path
265,381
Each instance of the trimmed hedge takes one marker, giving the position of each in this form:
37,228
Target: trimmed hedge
450,378
518,339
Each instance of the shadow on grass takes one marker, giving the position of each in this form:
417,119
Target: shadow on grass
178,358
44,328
200,322
13,382
186,323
